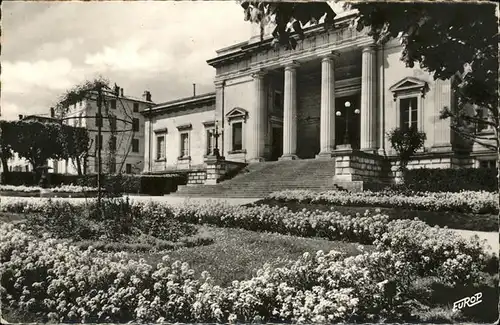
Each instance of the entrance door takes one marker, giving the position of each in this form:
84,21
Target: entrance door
348,121
277,143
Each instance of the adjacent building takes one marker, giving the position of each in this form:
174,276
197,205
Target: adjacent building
122,132
336,93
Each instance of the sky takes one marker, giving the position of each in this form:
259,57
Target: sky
48,47
160,46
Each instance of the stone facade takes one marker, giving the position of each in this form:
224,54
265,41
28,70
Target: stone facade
336,96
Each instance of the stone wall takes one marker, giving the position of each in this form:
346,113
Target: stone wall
196,177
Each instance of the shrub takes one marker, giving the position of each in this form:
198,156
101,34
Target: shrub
406,141
451,179
465,201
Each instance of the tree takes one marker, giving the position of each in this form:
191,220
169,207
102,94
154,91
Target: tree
288,17
6,136
406,142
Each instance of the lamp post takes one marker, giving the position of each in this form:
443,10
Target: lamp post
216,135
347,105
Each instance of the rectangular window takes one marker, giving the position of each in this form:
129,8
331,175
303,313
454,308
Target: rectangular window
408,112
136,107
112,122
96,165
135,145
237,136
98,142
80,119
128,168
184,144
135,125
488,163
210,141
160,147
112,167
98,120
112,103
112,143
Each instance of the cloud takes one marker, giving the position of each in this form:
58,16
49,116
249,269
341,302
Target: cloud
21,76
128,56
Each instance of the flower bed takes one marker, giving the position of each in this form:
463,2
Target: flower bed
433,250
58,282
36,191
466,201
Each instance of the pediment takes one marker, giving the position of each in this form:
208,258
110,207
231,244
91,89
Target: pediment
409,83
236,113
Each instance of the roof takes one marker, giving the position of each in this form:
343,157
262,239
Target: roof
242,49
182,103
40,117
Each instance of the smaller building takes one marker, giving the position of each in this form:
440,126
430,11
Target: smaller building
179,134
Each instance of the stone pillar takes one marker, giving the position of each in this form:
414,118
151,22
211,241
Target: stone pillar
327,128
290,113
216,169
219,113
368,97
148,146
258,118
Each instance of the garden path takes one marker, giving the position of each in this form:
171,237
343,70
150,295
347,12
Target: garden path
491,238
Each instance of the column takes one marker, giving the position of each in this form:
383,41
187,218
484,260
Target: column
290,113
258,119
327,128
219,113
368,96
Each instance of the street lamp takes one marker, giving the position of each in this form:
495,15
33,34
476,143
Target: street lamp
347,104
216,135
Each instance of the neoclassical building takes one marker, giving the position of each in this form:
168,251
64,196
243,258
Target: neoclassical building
336,95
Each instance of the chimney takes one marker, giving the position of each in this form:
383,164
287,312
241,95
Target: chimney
117,90
146,96
20,116
52,112
194,90
121,92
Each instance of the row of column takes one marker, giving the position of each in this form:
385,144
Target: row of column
327,117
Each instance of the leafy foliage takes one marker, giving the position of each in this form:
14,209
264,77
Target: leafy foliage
406,141
288,17
37,142
449,41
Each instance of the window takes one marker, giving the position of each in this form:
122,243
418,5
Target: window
75,122
488,163
184,145
27,168
408,112
112,166
112,122
160,147
136,107
98,120
135,125
98,142
112,143
135,145
112,103
128,168
80,119
483,115
237,136
96,165
210,141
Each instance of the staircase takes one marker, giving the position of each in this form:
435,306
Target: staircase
261,179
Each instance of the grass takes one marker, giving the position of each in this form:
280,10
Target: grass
453,220
236,253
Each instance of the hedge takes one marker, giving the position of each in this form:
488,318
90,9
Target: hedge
115,184
451,180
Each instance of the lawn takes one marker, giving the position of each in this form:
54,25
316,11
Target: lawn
453,220
236,253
